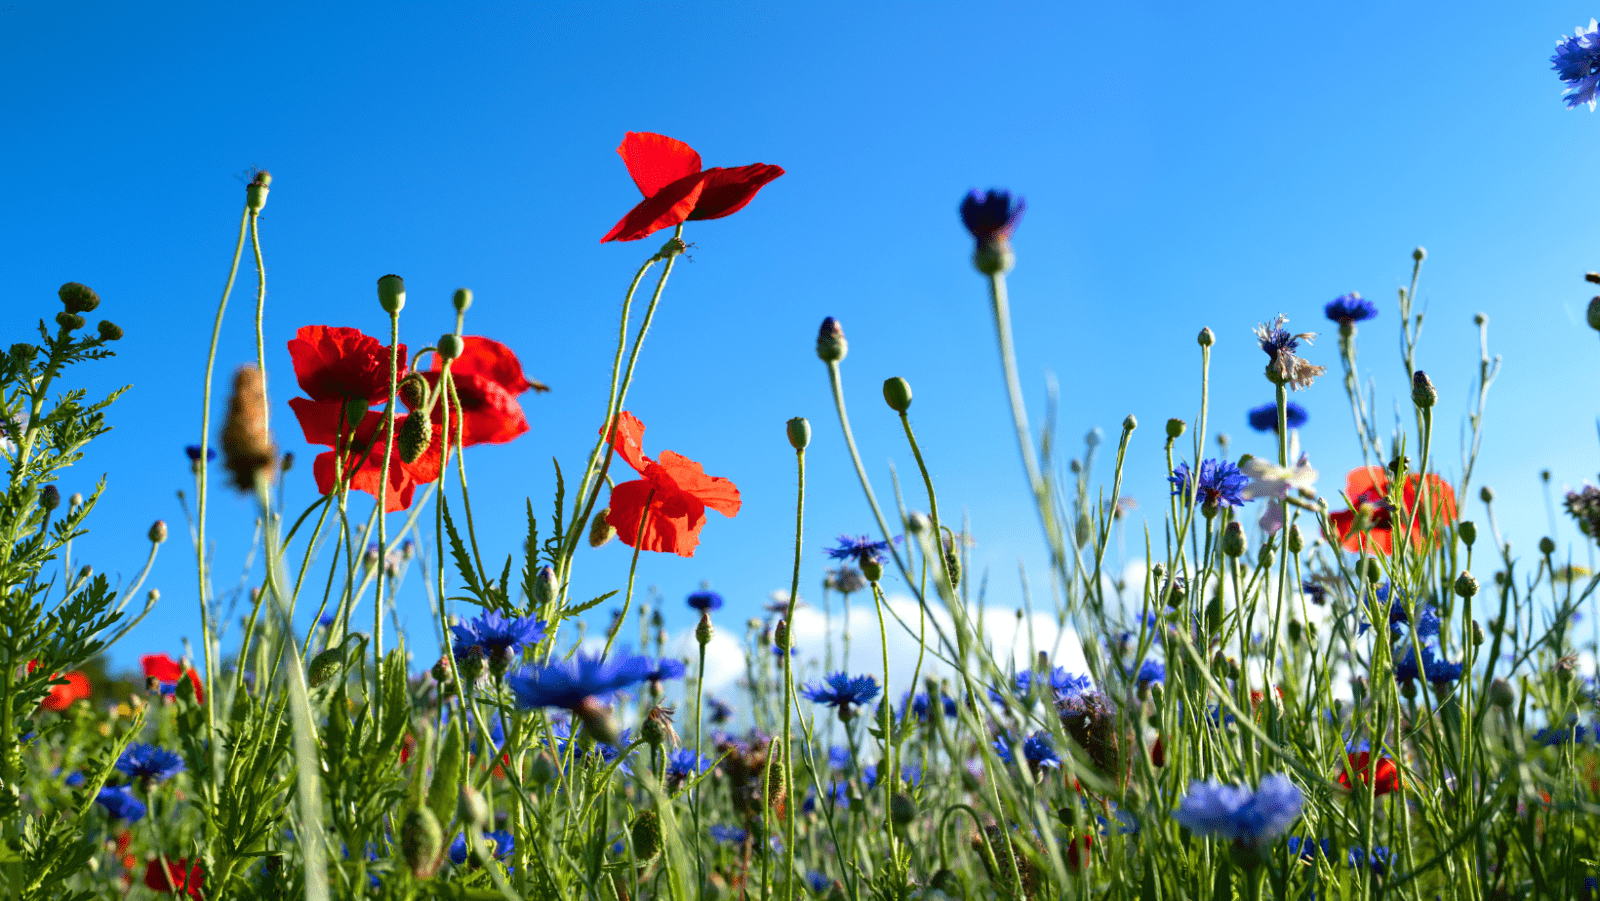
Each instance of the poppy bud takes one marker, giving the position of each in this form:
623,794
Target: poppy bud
897,393
1233,540
472,809
78,298
1083,530
158,532
69,321
421,842
462,299
255,194
1468,530
109,331
952,565
1295,542
325,666
799,432
646,832
1295,631
544,585
1501,695
1206,337
1175,428
416,433
1130,423
450,346
831,345
1374,571
1423,394
354,410
543,771
872,569
50,498
600,529
392,293
902,809
413,391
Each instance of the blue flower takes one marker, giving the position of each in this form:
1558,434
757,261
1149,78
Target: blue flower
862,550
1427,618
721,711
1265,417
74,779
1577,61
729,835
1379,862
1434,669
842,691
1350,308
504,844
1573,733
1036,749
121,804
839,757
148,762
1219,484
1236,812
1279,344
818,881
193,453
666,668
569,683
705,601
991,216
921,705
1315,591
910,773
1308,849
684,762
1152,671
495,636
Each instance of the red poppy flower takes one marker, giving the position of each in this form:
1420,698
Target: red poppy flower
176,876
1368,490
366,448
1382,774
488,379
167,671
61,697
675,189
1077,853
335,366
675,490
1158,753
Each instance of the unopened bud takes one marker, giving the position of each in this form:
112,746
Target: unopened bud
1206,337
1374,571
872,569
1296,631
1501,694
287,462
1408,689
471,807
703,630
831,345
1175,428
413,391
50,498
1214,614
325,666
1466,585
109,331
1546,546
1084,529
422,842
69,321
1295,542
646,833
416,434
1265,555
1477,633
601,530
799,432
1593,314
1468,530
450,346
1419,254
543,770
597,719
255,194
1130,423
441,670
544,585
158,532
1233,540
902,809
897,393
392,293
78,298
462,299
1423,394
1486,494
780,635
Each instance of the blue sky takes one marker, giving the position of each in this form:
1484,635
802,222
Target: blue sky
1183,167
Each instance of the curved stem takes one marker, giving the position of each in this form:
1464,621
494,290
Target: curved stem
788,677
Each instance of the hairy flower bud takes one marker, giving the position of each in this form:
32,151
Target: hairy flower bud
78,298
897,393
1423,394
1233,540
158,532
1546,546
450,346
1468,530
462,299
247,449
703,630
1501,694
325,666
422,842
255,193
1175,428
646,833
544,585
1295,542
416,433
1477,633
413,391
799,432
1265,556
1466,585
1206,337
831,345
392,293
902,809
69,321
50,498
472,809
600,529
109,331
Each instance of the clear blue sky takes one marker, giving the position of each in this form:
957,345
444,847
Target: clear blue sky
1184,166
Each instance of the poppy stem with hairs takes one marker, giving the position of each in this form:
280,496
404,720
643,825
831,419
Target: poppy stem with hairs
784,652
383,518
633,567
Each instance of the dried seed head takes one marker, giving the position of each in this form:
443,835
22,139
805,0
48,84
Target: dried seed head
247,449
78,298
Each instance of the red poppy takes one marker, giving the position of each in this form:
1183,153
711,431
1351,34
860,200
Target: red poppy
675,188
1158,753
177,876
1368,490
61,697
366,448
335,366
675,490
167,671
488,379
1077,852
1382,773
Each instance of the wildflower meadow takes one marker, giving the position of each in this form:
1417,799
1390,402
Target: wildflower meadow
1314,683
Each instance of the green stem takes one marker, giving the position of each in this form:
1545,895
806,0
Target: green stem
788,677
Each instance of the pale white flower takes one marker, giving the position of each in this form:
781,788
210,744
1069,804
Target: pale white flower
1269,480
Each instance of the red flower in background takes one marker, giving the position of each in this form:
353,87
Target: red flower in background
167,671
675,491
1382,774
488,379
176,876
365,457
63,696
675,188
1368,490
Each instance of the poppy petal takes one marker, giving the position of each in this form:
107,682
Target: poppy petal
673,525
319,420
628,439
492,360
655,161
717,493
1365,479
728,190
668,207
333,363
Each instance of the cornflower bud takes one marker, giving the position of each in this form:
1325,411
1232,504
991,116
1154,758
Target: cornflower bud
1593,314
1480,319
543,770
109,331
255,194
872,569
1233,540
544,585
1130,423
1466,585
1486,494
1175,428
158,532
1264,556
450,346
422,842
392,293
472,809
75,501
1423,394
703,631
799,432
1468,530
1408,689
1206,337
601,531
441,669
831,345
78,298
1546,546
1419,254
897,393
462,299
1295,542
1477,633
50,498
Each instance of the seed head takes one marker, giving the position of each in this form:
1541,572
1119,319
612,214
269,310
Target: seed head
78,298
897,393
247,449
392,293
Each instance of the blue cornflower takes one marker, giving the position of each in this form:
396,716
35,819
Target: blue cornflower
666,668
504,844
569,683
818,881
921,705
861,549
705,601
839,757
148,762
1036,749
1315,591
1279,344
721,711
1427,618
1265,417
1379,862
991,216
496,637
1236,812
729,835
684,762
193,453
1152,671
74,779
1309,849
1577,61
1347,309
1573,733
1434,669
1219,484
327,619
910,773
121,804
842,691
